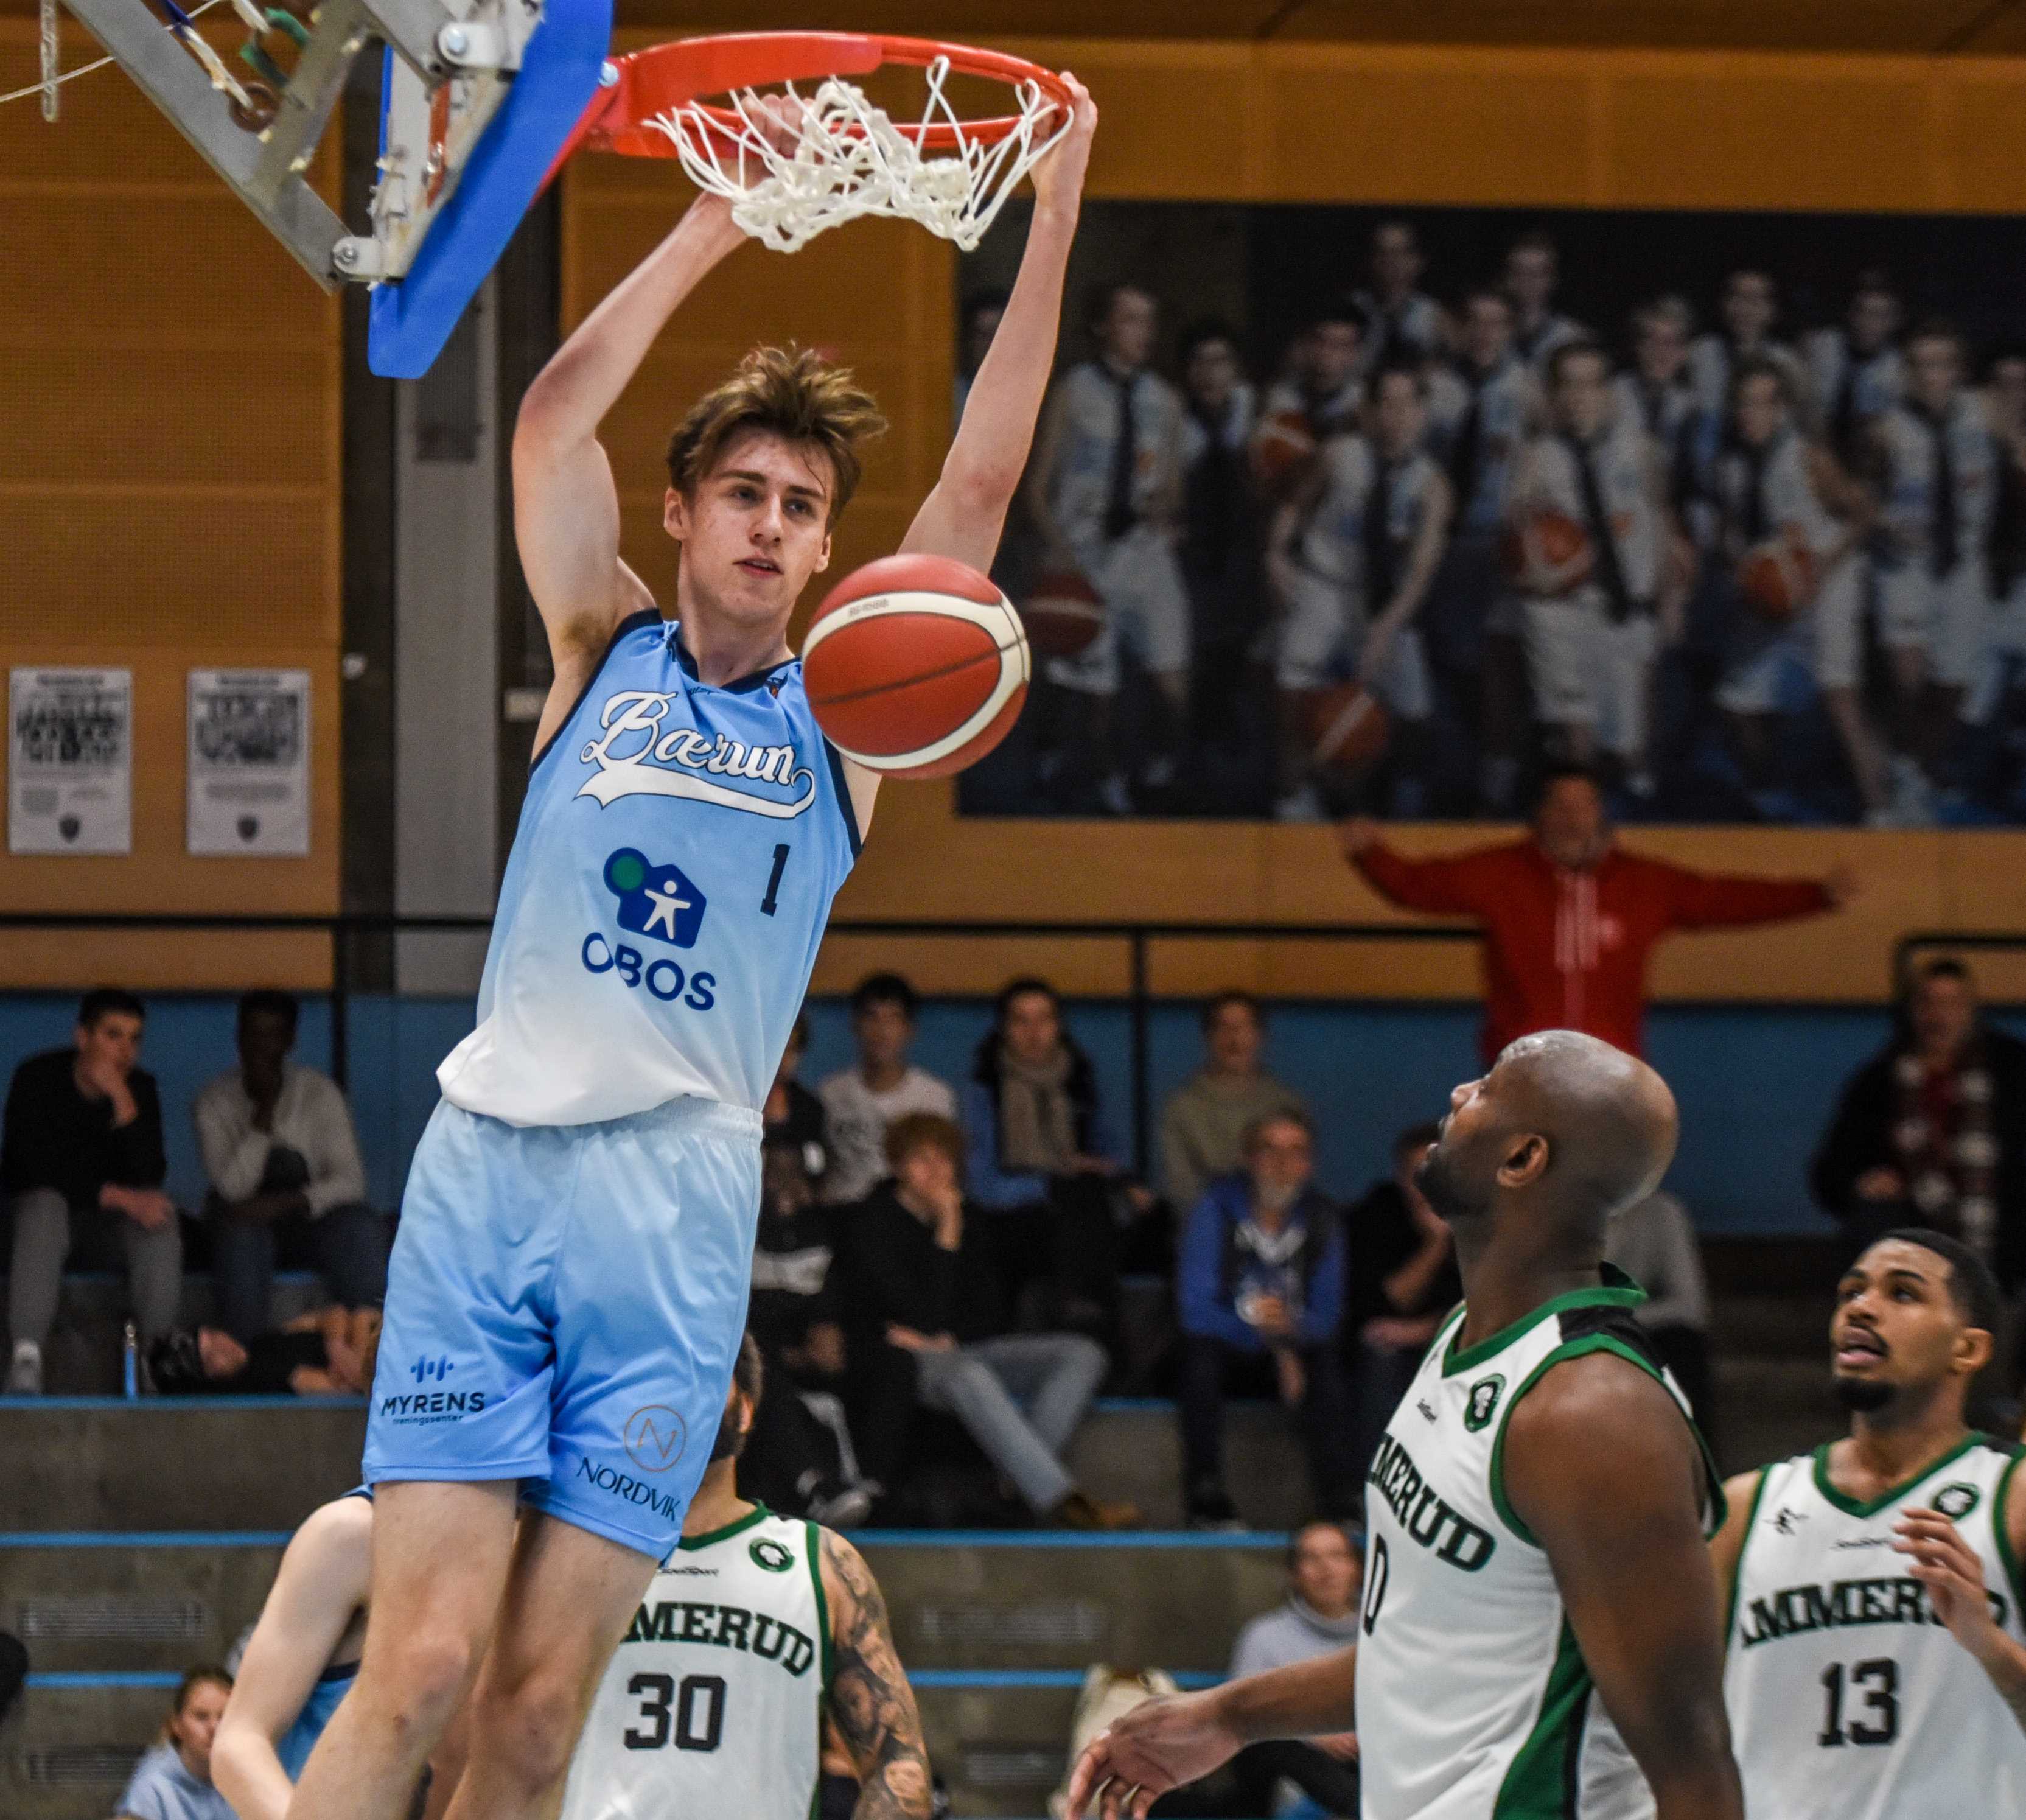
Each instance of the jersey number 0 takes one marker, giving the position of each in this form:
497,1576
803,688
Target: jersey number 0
692,1711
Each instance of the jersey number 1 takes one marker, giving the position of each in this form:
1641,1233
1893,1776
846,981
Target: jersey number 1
767,903
694,1711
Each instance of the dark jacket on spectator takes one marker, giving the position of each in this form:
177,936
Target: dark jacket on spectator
55,1138
897,1272
1860,1138
1380,1237
1219,1262
805,1131
794,1285
984,1172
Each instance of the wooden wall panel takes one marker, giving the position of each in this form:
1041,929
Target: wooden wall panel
169,499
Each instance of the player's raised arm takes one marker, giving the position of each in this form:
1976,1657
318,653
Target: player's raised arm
321,1586
566,505
964,516
870,1702
1601,1466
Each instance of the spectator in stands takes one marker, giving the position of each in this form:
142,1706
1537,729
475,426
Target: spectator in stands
82,1168
1403,1279
861,1102
1325,1568
1533,275
173,1780
1204,1122
287,1184
799,1458
931,1326
1931,1130
1653,1242
1042,1160
1260,1287
980,317
326,1352
1569,918
795,1116
1404,325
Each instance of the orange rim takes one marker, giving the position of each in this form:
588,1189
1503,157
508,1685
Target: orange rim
657,81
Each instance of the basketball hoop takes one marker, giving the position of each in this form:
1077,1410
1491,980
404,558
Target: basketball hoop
847,157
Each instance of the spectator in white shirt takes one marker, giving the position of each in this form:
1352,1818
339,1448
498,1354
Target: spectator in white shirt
287,1185
861,1102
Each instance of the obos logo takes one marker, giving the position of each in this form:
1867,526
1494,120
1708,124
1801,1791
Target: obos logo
655,1437
655,900
768,1554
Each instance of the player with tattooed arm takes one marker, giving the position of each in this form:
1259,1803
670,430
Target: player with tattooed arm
757,1631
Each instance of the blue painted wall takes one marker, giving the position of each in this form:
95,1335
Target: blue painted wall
1756,1083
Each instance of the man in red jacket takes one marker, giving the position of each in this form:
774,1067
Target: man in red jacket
1569,919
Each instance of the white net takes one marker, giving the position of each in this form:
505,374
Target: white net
849,158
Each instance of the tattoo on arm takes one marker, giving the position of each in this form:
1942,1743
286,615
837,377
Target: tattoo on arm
870,1699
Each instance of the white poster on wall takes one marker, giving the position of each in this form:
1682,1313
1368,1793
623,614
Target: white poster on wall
70,761
249,762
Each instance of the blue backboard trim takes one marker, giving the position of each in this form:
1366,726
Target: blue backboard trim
412,318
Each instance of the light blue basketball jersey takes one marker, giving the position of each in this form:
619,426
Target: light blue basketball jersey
677,854
295,1743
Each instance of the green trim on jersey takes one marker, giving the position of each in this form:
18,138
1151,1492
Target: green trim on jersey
823,1603
1541,1782
2000,1522
1624,1293
829,1656
1589,1344
1737,1566
689,1544
1851,1507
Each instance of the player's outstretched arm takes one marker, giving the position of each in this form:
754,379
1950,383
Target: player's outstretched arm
870,1702
964,516
566,505
1601,1466
1953,1574
322,1585
1167,1743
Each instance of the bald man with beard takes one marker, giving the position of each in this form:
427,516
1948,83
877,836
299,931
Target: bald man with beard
1539,1637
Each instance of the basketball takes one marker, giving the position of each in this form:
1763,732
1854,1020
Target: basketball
1545,552
1347,730
916,666
1063,614
1777,578
1281,447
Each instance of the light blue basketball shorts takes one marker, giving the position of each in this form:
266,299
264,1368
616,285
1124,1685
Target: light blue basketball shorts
564,1306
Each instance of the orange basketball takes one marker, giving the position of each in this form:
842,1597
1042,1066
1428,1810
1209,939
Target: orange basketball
1282,446
1545,552
1777,577
1063,614
916,666
1347,730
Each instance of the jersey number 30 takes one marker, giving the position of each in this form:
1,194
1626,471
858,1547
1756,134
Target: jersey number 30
691,1712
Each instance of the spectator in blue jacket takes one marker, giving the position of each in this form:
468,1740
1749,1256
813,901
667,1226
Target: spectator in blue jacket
1261,1288
1044,1161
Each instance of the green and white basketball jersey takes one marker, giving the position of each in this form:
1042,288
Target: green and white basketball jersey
1848,1698
1473,1702
712,1705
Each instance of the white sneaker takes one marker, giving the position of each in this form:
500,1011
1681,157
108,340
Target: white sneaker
1159,773
1115,797
1912,796
25,1377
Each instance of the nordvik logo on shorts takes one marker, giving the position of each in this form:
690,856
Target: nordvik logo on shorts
629,1490
655,1437
659,901
636,756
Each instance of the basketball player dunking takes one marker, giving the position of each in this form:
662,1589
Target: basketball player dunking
569,1286
1865,1684
1535,1640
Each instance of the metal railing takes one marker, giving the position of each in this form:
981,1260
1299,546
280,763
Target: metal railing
1137,938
